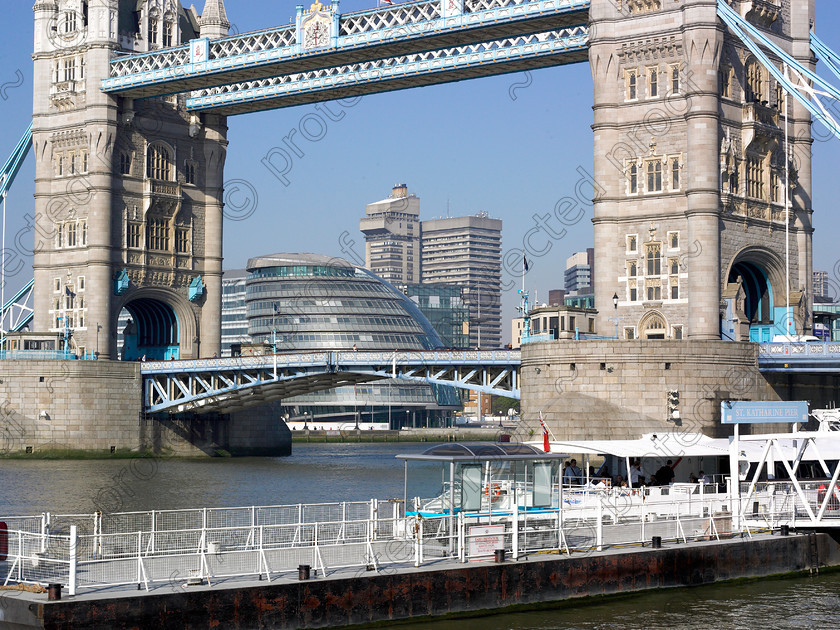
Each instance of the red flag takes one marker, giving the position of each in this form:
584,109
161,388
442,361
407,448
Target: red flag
546,445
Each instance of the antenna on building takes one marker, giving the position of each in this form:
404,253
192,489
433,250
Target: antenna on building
447,207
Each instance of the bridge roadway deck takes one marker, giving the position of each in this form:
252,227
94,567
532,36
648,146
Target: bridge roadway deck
395,31
808,357
231,384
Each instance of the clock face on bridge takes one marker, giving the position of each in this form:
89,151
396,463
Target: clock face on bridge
316,32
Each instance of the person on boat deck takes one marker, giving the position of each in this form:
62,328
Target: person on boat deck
572,474
692,478
618,481
636,472
702,477
665,475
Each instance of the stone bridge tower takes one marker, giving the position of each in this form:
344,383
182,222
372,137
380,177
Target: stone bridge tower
128,194
690,162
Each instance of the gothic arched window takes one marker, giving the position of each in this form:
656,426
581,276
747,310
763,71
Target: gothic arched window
159,163
753,86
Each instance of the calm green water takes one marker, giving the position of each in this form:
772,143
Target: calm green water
335,472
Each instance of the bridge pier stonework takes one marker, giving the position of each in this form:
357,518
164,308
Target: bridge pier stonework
619,390
128,193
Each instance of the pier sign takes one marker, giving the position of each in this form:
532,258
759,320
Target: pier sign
748,412
485,539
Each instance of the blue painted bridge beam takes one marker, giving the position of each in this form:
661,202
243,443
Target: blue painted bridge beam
402,29
226,385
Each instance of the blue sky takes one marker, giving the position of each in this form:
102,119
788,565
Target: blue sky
511,146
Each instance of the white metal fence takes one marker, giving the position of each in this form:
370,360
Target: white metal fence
206,545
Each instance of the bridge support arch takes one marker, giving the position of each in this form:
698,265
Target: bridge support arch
163,326
753,298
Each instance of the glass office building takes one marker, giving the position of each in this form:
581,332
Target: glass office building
306,302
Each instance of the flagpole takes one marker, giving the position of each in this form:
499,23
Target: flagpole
787,218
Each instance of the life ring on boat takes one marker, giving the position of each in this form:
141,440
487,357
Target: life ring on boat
493,490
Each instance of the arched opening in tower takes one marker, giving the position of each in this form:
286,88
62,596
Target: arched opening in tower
151,331
756,299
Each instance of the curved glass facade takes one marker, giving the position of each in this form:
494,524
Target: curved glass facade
313,302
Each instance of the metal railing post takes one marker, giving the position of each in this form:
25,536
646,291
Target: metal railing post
417,533
515,541
72,569
462,538
599,530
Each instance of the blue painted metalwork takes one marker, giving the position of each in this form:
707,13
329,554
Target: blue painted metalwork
121,283
196,289
17,313
401,29
755,40
15,161
225,384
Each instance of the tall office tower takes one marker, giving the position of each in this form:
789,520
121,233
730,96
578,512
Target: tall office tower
392,236
578,276
468,251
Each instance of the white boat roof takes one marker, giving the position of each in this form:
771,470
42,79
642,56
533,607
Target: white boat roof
675,445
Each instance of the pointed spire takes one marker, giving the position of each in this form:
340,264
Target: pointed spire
214,22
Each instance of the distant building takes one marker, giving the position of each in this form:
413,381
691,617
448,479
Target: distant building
579,272
554,322
392,237
467,251
234,316
445,309
556,297
462,251
821,286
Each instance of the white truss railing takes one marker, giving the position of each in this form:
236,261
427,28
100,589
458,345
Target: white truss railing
395,17
256,42
400,23
380,70
158,60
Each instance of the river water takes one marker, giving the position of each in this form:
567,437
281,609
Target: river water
351,472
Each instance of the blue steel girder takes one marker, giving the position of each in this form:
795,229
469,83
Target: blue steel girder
231,384
808,357
513,54
401,29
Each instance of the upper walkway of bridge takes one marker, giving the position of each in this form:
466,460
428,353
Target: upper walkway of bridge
393,39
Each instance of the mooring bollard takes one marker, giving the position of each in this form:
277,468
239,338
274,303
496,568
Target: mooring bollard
499,555
303,572
53,592
784,530
656,542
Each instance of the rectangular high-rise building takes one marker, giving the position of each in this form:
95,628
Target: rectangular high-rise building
467,251
578,275
820,284
392,237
